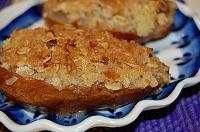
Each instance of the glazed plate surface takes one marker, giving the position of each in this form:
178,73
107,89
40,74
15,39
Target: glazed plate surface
180,50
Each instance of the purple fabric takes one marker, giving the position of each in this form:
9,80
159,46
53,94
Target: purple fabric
4,3
181,116
183,1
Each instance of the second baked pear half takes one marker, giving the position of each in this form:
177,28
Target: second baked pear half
140,20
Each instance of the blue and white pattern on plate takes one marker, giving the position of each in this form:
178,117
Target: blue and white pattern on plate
180,50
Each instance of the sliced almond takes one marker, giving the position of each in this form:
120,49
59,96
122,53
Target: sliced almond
131,65
113,86
152,65
24,71
46,59
11,80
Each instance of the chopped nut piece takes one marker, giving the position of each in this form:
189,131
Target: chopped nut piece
113,86
46,59
154,82
126,82
131,65
152,65
24,71
11,80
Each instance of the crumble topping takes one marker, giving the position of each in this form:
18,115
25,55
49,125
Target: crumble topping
142,17
65,56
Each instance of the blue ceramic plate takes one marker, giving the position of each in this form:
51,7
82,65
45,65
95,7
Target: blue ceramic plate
180,50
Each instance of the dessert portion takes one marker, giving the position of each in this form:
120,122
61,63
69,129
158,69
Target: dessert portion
140,20
67,69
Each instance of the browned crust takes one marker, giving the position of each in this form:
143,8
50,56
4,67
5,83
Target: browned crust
151,37
159,33
39,93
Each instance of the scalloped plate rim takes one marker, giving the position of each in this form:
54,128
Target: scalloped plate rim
94,121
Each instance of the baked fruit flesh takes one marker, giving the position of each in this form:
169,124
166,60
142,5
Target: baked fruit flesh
140,20
66,69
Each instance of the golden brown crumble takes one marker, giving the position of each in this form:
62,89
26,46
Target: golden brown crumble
64,56
142,17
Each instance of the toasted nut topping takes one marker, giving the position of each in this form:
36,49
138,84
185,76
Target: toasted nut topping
154,82
82,60
101,15
56,68
11,80
152,65
113,86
